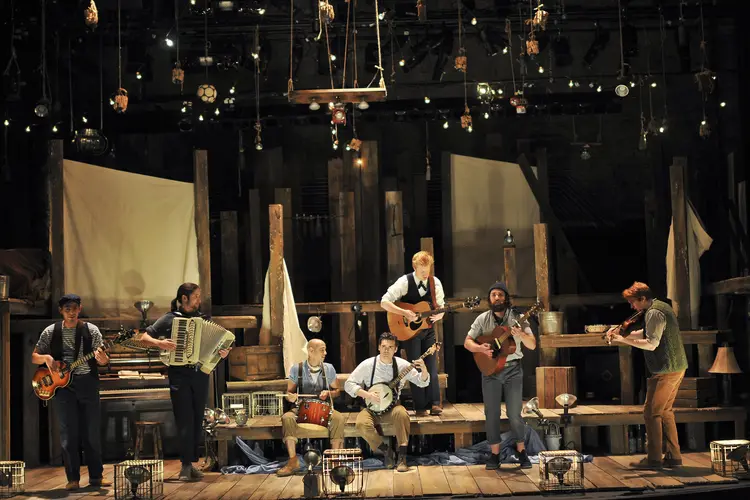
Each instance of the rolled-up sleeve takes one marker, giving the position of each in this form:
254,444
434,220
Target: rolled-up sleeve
415,377
397,290
161,327
656,322
96,337
356,379
439,293
43,344
477,327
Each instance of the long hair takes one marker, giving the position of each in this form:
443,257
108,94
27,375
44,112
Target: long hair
185,289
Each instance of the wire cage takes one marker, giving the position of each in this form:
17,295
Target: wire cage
342,472
729,458
560,470
232,401
12,478
142,479
267,404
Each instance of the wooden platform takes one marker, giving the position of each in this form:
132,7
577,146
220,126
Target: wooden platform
610,473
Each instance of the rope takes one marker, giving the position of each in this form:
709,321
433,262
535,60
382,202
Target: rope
509,34
44,49
622,51
380,56
70,80
290,83
119,50
177,26
328,47
704,54
346,42
663,32
354,32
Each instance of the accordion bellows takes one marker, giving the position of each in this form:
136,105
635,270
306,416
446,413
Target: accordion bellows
198,343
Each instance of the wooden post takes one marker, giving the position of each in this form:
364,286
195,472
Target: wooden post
5,380
427,245
283,197
230,272
56,230
654,252
30,405
627,379
253,254
372,333
547,357
678,184
275,274
202,226
509,264
348,252
367,209
732,196
394,234
335,186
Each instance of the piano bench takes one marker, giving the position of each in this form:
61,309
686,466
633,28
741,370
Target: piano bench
154,428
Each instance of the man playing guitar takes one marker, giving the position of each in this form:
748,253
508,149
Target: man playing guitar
509,380
413,288
318,378
77,404
384,368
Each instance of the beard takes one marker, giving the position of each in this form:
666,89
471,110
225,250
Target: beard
498,307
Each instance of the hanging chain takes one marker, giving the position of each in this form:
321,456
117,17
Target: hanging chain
119,47
346,41
622,50
380,55
663,36
290,83
509,35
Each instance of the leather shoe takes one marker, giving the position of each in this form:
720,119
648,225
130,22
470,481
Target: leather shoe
436,410
421,413
402,467
100,483
72,485
290,468
645,464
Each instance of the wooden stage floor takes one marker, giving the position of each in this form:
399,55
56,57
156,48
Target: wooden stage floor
605,474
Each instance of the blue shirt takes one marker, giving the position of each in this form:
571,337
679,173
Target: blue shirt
310,384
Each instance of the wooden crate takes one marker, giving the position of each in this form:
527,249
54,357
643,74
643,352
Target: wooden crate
552,381
696,392
256,363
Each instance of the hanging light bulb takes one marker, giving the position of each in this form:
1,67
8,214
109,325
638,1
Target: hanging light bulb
663,126
505,50
723,104
28,128
169,42
314,106
632,84
84,119
469,129
217,112
335,145
541,69
200,117
427,99
359,162
599,88
54,129
653,85
571,83
473,21
586,152
138,75
6,123
445,125
232,90
486,115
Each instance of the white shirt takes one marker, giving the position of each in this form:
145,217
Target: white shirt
360,377
401,287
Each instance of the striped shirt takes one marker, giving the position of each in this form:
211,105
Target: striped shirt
43,346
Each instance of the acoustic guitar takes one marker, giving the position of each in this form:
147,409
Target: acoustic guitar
502,342
404,330
46,382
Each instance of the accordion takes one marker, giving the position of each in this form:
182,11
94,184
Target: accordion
198,343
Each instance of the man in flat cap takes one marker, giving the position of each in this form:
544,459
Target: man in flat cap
77,404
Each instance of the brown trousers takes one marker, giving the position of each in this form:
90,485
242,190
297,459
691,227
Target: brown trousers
397,417
661,391
290,429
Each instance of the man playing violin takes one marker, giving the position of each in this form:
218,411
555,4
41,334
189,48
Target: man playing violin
509,380
665,357
317,380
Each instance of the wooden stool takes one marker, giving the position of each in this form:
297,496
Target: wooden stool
155,429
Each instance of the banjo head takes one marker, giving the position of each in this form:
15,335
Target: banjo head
386,398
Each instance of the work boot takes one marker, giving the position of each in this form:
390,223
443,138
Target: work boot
646,464
523,457
436,410
72,486
186,473
195,473
389,456
402,467
671,462
100,483
290,468
493,463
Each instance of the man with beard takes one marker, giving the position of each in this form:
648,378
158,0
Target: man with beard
509,380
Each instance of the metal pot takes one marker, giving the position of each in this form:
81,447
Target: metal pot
550,322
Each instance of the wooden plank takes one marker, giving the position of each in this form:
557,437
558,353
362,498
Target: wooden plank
394,235
547,356
335,186
460,480
372,334
654,239
427,245
509,266
55,222
698,466
230,258
627,376
253,256
30,406
629,478
576,340
246,486
551,381
347,344
348,253
276,274
379,483
5,380
219,487
283,197
602,480
433,480
368,211
295,488
407,484
658,478
271,488
470,412
202,226
280,384
488,482
516,481
739,285
678,188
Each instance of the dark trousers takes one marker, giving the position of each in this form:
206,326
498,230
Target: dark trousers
508,383
79,413
188,389
424,397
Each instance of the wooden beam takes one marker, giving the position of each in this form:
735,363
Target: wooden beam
678,185
575,340
5,380
627,377
283,197
253,255
55,222
31,437
738,286
367,207
230,265
202,226
547,357
335,186
275,274
427,245
509,265
348,252
731,197
394,234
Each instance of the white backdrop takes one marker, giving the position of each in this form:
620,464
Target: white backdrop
127,237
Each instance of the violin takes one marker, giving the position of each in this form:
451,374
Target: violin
623,327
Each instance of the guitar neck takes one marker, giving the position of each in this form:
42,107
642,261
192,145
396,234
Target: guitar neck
443,309
408,369
86,358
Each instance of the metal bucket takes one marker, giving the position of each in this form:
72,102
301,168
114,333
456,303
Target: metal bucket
550,322
4,286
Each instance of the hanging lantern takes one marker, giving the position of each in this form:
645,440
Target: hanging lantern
355,144
91,15
326,11
91,141
519,102
338,114
314,324
178,74
121,100
540,17
461,62
466,119
532,46
207,93
705,80
705,129
422,10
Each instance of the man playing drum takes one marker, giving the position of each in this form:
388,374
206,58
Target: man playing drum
313,385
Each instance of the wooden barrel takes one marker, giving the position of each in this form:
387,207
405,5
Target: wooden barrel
258,362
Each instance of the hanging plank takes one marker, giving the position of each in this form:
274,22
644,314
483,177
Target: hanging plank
547,357
348,252
427,245
202,226
677,182
275,274
283,197
230,265
367,203
394,234
335,186
253,255
5,380
55,222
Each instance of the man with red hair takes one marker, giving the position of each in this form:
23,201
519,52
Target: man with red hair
665,357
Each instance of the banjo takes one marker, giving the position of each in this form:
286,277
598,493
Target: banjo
387,390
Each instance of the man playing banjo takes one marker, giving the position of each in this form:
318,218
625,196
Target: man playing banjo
383,369
314,382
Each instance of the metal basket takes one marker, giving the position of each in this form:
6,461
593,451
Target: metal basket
342,472
560,470
267,404
232,401
728,466
143,479
12,478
